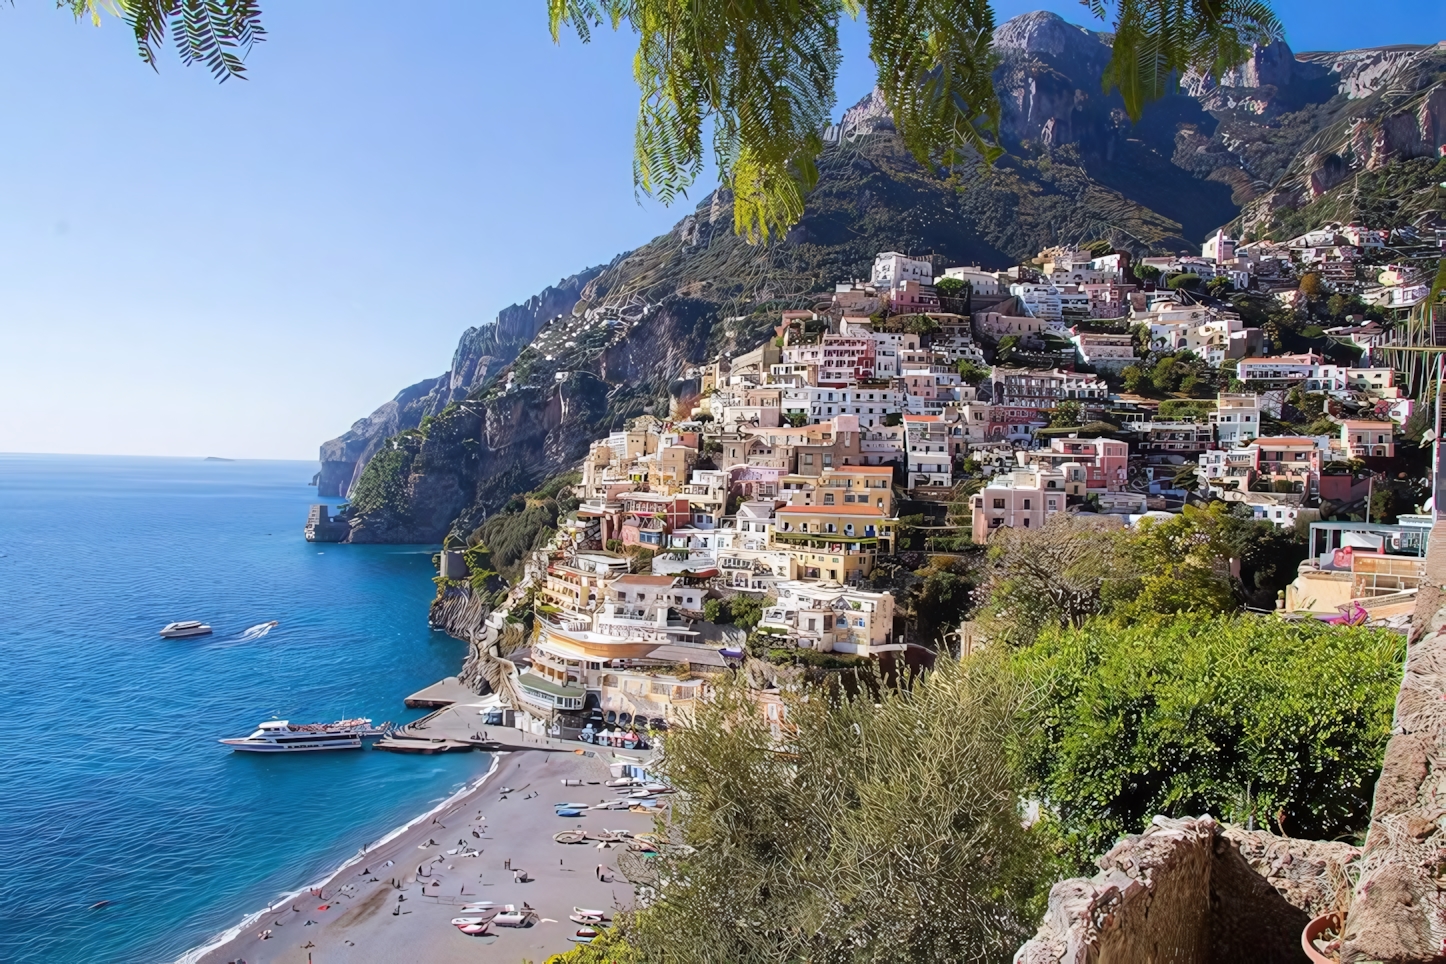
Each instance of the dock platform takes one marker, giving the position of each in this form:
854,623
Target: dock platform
441,693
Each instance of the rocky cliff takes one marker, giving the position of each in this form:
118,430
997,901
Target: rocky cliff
481,351
526,395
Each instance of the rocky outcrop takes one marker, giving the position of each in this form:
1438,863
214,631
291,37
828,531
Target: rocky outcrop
344,457
1193,891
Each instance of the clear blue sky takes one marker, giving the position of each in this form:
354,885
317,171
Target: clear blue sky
243,270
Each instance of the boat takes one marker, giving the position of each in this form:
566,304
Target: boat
586,919
472,929
181,630
280,736
511,918
589,912
460,921
569,813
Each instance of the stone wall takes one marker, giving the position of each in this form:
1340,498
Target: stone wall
1193,891
1399,911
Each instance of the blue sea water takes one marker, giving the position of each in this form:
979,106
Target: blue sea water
112,784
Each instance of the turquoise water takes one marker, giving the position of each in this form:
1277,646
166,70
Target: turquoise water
112,785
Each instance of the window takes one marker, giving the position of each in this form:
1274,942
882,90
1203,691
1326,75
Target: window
998,503
828,498
808,458
1026,503
830,528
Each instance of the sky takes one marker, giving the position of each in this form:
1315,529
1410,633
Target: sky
243,270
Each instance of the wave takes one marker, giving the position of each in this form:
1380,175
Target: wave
196,953
259,630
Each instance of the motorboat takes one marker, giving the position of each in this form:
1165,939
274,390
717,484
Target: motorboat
181,630
280,736
472,929
512,918
586,919
460,921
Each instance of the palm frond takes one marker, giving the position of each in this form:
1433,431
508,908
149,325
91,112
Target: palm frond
1158,40
217,33
935,63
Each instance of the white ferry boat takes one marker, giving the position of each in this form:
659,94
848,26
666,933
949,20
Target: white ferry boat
183,629
282,736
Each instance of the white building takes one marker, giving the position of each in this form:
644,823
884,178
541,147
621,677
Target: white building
892,270
927,439
1236,419
980,281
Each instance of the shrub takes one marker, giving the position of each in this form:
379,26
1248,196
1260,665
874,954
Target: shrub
1245,718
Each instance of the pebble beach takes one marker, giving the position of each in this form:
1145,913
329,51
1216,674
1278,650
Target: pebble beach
492,841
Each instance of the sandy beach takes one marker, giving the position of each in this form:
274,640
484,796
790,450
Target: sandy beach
394,902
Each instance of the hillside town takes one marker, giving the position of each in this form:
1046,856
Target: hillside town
925,412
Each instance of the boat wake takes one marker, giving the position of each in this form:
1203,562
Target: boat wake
259,630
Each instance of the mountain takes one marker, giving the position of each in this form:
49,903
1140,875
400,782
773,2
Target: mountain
526,394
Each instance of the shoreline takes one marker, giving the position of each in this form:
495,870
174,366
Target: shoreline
230,934
397,899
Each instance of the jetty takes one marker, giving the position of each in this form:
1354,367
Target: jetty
405,744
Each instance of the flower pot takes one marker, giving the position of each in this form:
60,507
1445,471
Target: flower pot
1326,922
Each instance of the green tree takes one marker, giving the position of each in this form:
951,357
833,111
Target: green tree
717,611
1186,279
761,76
950,287
1240,717
747,612
1312,286
1038,578
1067,414
887,829
972,373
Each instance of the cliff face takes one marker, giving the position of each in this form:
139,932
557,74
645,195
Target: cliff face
529,392
480,353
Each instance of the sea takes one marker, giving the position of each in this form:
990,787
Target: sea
112,785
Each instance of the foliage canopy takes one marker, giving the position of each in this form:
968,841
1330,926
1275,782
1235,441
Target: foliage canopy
1247,719
877,827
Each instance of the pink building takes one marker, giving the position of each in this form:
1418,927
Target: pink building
648,517
1024,499
1366,438
1106,461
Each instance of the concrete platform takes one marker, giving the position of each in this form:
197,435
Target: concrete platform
441,693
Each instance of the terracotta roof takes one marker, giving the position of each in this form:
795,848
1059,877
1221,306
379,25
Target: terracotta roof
1287,440
641,580
1367,422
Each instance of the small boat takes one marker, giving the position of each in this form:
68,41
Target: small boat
569,812
460,921
585,919
478,907
473,929
511,918
589,912
183,629
587,932
569,806
580,940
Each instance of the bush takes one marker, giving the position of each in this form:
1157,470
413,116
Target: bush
1240,717
888,831
717,611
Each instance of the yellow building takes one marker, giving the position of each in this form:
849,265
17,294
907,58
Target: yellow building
838,543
